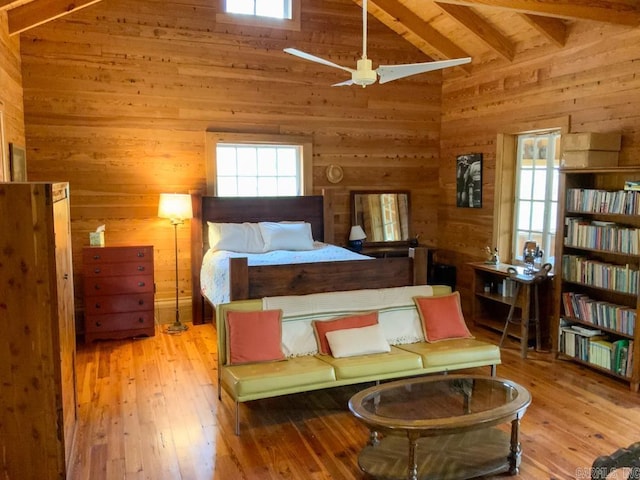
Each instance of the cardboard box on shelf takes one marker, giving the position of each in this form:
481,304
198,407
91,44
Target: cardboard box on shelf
592,141
589,158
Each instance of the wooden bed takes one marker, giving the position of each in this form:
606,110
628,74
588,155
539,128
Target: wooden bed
294,279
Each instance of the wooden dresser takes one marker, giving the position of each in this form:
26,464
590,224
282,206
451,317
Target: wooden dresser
118,292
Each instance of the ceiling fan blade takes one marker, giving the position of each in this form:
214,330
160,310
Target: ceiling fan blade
346,83
313,58
388,73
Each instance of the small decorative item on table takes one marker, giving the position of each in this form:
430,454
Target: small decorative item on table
492,256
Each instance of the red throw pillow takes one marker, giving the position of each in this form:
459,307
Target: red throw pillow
441,317
254,336
321,327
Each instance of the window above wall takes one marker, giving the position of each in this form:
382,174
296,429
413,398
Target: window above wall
260,8
239,164
283,14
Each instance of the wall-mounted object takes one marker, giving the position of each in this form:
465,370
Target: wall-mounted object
469,180
18,163
383,215
334,173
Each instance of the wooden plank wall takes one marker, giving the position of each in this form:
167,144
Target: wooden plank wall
11,100
594,80
118,97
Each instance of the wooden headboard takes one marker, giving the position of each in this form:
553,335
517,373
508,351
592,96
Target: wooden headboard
245,209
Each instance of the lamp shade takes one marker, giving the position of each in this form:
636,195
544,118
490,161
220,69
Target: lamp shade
176,206
357,233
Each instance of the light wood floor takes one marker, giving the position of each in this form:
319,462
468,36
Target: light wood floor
149,410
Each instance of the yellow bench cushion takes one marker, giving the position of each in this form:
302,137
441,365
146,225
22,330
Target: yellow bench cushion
457,353
262,378
376,364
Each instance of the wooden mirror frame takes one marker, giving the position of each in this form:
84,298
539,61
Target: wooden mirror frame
356,218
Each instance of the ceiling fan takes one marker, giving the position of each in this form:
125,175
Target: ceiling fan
364,74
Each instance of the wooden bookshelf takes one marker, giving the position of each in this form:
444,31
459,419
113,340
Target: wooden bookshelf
597,268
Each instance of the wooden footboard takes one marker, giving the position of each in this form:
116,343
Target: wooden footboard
299,279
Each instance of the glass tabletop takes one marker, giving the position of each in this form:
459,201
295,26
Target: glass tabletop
433,402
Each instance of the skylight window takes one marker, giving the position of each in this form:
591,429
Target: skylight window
260,8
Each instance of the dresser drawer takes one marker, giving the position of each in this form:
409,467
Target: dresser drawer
95,305
117,285
101,255
118,269
120,321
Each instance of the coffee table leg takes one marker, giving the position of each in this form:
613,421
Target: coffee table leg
412,472
515,452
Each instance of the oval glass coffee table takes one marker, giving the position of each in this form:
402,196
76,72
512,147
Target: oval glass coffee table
441,427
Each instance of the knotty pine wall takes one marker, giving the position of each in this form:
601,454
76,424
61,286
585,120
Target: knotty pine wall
118,97
11,101
595,80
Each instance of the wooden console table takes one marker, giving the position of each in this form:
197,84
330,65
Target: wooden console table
490,304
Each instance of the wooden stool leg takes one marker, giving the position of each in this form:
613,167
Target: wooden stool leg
510,315
537,318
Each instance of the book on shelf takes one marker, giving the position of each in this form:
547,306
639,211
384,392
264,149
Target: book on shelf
585,331
632,184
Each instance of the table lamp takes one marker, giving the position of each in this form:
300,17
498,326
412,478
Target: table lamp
356,238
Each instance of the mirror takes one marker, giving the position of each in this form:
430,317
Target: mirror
384,216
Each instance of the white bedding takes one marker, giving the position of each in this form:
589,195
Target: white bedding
214,273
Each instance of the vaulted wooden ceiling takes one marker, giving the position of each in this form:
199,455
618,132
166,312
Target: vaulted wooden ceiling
482,29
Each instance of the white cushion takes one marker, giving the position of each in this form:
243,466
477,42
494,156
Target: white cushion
286,236
357,341
236,237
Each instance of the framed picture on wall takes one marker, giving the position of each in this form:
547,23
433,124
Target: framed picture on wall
4,162
18,163
469,180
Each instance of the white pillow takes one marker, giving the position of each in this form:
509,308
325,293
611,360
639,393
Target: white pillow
236,237
357,341
286,236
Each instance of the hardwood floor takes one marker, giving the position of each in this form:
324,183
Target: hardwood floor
149,410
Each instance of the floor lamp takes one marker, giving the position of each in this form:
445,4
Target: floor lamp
177,208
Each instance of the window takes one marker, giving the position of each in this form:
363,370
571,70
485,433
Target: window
257,165
536,193
282,14
526,184
261,8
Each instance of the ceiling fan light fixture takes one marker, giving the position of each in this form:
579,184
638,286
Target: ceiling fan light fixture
364,75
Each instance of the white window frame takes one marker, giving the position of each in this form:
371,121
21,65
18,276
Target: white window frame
215,138
292,23
550,201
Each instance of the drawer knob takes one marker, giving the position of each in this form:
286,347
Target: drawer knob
140,320
98,324
140,302
140,254
96,287
140,268
141,284
96,257
97,305
96,270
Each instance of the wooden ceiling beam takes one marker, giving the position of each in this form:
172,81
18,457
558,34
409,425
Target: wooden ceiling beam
481,29
623,12
422,29
552,28
6,4
38,12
